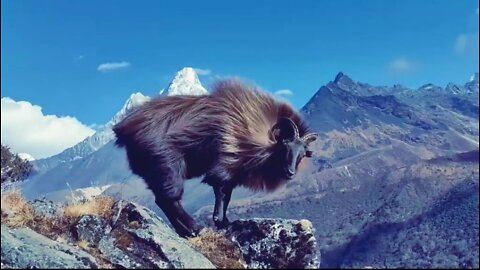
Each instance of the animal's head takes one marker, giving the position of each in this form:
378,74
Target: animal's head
291,148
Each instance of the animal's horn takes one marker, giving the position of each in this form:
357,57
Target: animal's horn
286,124
310,137
295,128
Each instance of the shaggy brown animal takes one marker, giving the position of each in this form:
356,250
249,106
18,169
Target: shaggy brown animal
238,135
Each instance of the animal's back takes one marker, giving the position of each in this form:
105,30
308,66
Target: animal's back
166,129
159,118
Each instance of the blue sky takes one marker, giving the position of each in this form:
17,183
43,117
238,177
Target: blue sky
51,50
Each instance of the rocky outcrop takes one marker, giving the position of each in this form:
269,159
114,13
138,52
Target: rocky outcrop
140,239
91,229
24,248
276,243
135,237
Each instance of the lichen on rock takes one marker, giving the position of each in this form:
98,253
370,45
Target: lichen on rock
276,243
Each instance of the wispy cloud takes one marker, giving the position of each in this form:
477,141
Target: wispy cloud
403,65
78,58
106,67
203,72
284,92
466,44
25,129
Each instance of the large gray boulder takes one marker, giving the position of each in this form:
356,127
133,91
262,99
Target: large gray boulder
140,239
24,248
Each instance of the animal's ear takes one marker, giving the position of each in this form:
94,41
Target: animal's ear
284,129
310,137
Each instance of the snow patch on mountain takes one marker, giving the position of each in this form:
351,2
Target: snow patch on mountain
26,156
186,82
87,193
135,99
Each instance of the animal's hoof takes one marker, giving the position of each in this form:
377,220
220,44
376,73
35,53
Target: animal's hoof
222,224
189,232
196,230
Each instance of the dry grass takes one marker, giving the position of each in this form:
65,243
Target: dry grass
98,206
84,244
222,252
16,212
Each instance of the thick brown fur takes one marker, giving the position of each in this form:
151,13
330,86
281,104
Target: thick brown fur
225,135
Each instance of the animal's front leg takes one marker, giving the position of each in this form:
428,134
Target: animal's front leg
223,193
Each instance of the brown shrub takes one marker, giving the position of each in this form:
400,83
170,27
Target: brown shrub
98,206
16,212
222,252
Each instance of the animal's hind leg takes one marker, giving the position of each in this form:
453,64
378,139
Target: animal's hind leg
168,193
183,224
223,192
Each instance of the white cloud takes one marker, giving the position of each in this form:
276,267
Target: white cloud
203,72
284,92
403,65
79,58
466,43
25,129
105,67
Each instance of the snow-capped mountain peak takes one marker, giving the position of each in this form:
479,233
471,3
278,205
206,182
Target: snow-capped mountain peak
186,82
135,99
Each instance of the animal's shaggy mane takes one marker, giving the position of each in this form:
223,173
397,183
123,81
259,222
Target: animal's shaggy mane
246,137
